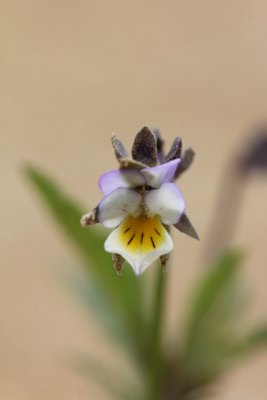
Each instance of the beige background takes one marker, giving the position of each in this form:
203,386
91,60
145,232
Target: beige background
71,73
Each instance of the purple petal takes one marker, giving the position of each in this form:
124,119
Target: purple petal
156,176
115,179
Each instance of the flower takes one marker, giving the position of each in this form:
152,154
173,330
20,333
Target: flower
141,202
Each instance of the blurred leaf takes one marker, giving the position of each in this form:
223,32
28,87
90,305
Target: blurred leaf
122,295
250,342
113,382
216,294
214,339
90,295
212,323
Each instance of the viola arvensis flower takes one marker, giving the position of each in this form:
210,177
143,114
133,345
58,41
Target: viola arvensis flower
141,202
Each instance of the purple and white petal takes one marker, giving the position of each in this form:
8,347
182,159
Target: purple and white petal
156,176
115,179
116,206
167,202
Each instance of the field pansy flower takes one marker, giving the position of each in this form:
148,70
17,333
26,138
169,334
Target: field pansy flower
141,201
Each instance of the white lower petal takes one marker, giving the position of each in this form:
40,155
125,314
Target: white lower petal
167,202
141,241
116,206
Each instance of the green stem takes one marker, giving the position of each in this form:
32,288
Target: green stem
155,361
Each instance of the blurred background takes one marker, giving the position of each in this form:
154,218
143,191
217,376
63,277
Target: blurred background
72,72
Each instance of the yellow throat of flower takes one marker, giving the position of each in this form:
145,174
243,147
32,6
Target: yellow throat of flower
142,234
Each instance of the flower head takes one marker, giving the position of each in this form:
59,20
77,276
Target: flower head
141,201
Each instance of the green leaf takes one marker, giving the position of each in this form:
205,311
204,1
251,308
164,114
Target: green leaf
252,341
91,297
115,383
216,297
213,319
214,338
122,294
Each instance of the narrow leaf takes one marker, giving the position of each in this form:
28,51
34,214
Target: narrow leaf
252,341
124,293
113,382
212,321
213,290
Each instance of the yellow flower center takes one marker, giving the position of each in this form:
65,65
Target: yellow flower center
142,234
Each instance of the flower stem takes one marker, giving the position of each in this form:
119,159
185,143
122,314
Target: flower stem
155,360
